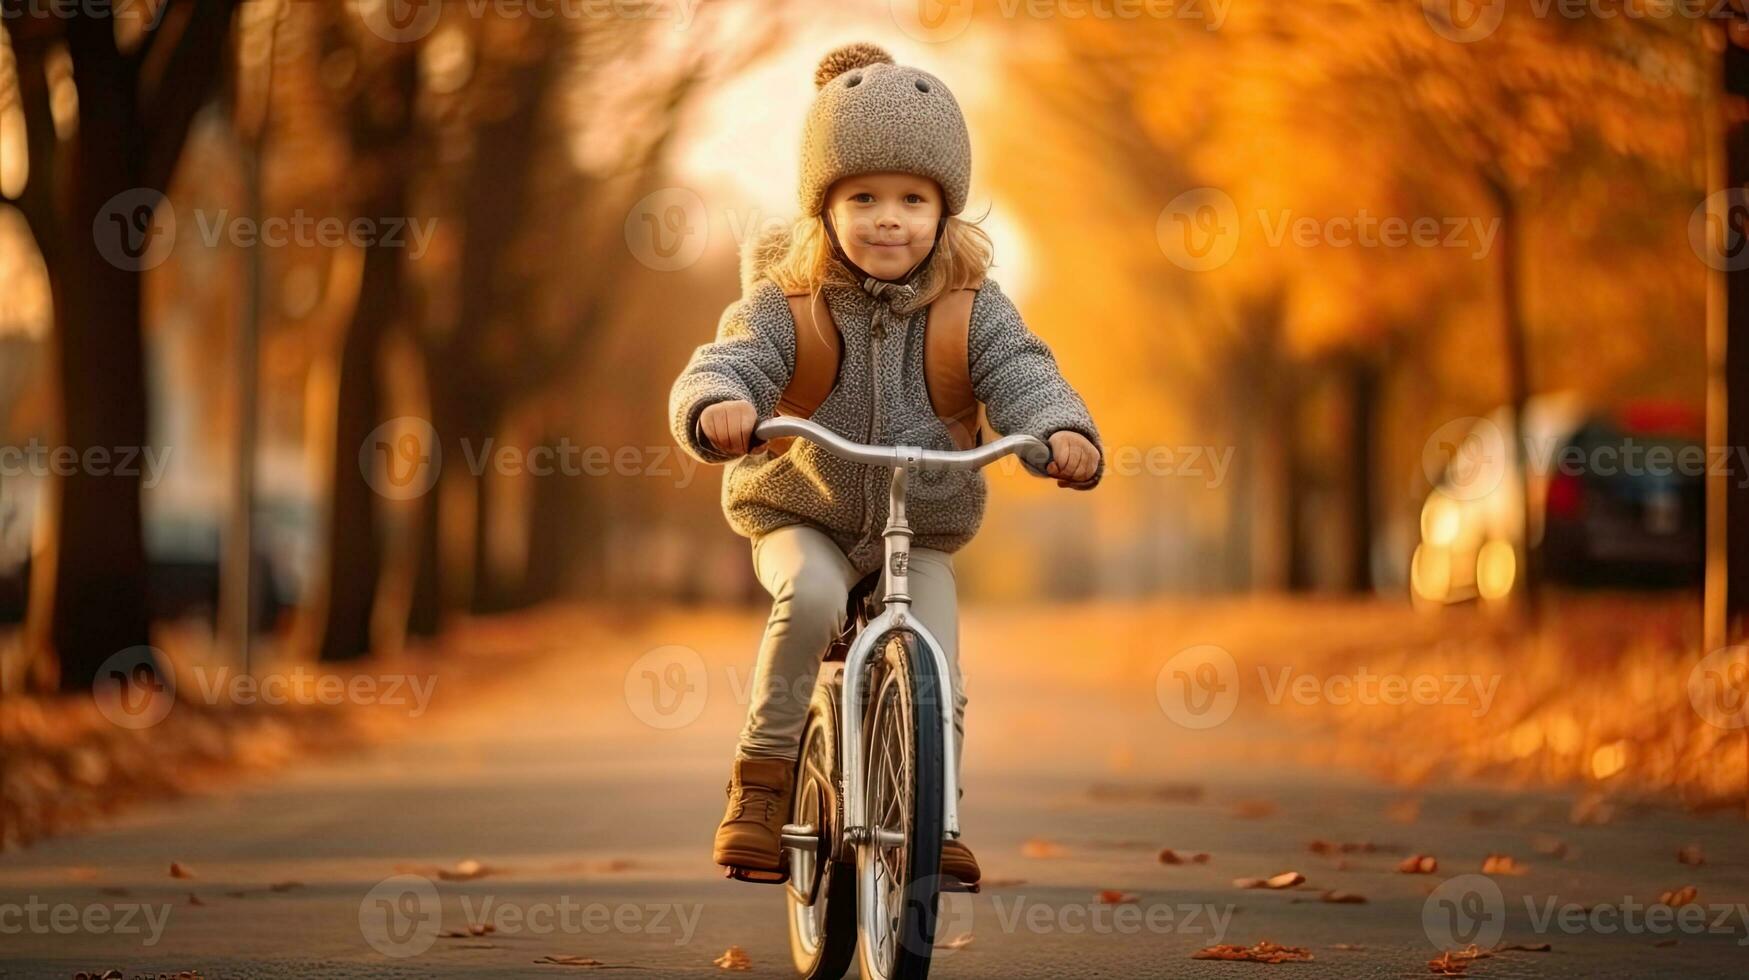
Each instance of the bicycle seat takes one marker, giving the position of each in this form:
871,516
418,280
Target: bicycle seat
859,608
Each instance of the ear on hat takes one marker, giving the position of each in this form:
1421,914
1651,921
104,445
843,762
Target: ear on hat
856,54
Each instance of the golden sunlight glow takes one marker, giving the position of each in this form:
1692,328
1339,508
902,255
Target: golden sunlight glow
1609,759
1496,569
1430,572
1440,520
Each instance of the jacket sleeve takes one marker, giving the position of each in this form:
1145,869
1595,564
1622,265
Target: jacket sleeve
1016,377
750,360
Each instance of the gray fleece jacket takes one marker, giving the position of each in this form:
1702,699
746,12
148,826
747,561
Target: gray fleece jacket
881,398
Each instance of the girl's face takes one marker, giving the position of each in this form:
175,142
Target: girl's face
885,222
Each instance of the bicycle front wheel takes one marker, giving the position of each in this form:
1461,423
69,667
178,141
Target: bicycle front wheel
899,864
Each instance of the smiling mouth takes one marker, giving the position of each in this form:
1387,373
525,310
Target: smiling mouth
887,244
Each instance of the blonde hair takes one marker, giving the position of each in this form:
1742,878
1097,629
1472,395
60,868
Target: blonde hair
962,258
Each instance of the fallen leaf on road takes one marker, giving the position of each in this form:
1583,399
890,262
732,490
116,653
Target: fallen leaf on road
1112,897
1502,864
1419,864
466,870
1169,856
1690,856
1592,809
1679,897
1038,847
1454,962
194,899
178,871
1350,947
960,941
1342,898
582,961
734,958
1263,952
1287,879
1525,948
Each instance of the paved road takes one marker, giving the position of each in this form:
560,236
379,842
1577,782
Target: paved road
594,829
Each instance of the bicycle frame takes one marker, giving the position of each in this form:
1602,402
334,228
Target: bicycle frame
896,601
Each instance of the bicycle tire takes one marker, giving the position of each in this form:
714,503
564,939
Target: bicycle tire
905,673
835,948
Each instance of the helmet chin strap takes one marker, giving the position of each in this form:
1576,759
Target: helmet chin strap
863,275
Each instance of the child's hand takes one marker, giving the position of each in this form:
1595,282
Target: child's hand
1073,458
729,425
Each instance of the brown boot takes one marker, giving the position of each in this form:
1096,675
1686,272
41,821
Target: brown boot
957,860
750,839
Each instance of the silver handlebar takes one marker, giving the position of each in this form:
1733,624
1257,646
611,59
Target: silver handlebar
1029,448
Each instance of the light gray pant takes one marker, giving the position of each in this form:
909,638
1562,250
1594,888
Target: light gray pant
809,580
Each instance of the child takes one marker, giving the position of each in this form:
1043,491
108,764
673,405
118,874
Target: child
885,166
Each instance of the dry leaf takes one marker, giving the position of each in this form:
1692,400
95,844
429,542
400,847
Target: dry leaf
179,871
1287,879
1342,898
1679,897
1112,897
194,899
1690,856
960,941
1502,864
1169,856
1525,948
1038,847
1263,952
1418,864
734,958
1454,963
467,870
563,960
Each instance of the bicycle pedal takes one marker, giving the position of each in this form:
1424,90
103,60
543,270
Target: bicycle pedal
756,876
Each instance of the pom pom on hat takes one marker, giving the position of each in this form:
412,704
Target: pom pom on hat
856,54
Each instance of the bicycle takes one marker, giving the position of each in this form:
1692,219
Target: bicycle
876,784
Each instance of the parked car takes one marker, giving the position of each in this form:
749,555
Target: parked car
1615,500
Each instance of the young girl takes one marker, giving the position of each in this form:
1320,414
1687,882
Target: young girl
885,166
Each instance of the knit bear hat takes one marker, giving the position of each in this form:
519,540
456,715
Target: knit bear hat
873,116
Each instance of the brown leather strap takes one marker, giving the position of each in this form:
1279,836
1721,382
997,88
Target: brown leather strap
819,350
946,363
947,366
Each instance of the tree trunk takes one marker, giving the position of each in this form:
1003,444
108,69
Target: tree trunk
1362,464
1728,409
1529,585
99,565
